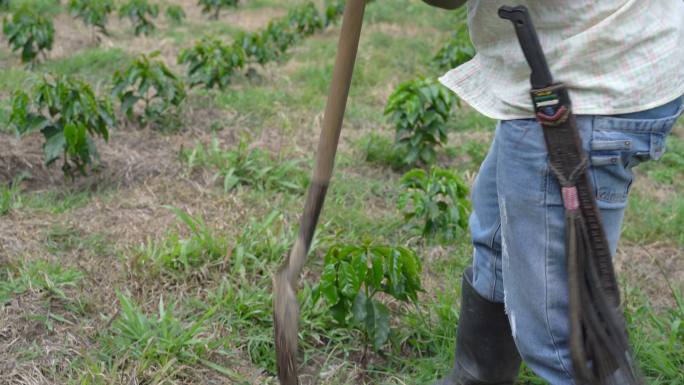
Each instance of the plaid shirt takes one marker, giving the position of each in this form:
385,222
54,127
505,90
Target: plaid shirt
615,56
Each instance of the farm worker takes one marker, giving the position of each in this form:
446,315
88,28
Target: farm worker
623,63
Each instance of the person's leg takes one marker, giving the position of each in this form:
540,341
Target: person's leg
485,351
485,229
533,223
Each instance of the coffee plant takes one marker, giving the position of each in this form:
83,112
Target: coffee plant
68,114
333,11
29,32
306,20
435,203
354,275
214,6
175,14
459,49
151,83
212,63
139,12
92,12
256,46
280,35
419,111
455,52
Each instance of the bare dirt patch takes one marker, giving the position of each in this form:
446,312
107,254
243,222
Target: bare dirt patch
71,35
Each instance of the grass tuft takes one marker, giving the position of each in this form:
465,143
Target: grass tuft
243,166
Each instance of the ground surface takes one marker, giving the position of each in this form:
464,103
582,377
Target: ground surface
70,251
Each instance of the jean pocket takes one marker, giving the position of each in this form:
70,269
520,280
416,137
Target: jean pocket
617,146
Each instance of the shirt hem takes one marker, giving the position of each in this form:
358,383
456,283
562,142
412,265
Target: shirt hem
491,113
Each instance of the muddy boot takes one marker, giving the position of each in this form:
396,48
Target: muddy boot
485,351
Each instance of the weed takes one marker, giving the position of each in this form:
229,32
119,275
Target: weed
175,253
249,167
381,150
37,276
162,340
260,245
10,195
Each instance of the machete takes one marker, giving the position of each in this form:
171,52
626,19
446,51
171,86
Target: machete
285,280
598,335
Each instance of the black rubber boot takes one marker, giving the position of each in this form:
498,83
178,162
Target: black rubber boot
485,351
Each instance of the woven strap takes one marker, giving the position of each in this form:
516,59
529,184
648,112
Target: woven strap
568,162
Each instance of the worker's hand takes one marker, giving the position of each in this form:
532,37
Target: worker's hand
446,4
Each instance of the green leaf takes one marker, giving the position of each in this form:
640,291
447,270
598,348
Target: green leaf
380,324
328,284
359,308
128,100
349,282
54,147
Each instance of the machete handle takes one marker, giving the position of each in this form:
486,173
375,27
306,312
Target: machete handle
527,35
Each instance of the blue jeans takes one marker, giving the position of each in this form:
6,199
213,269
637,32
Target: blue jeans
518,223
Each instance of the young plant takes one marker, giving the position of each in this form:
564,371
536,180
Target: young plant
30,33
435,203
175,14
93,12
249,167
455,52
333,11
68,114
306,20
256,46
353,276
280,35
151,83
214,6
139,12
212,63
419,111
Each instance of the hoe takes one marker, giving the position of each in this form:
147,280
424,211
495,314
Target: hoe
285,281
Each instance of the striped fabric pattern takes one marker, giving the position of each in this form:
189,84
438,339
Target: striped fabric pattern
615,56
